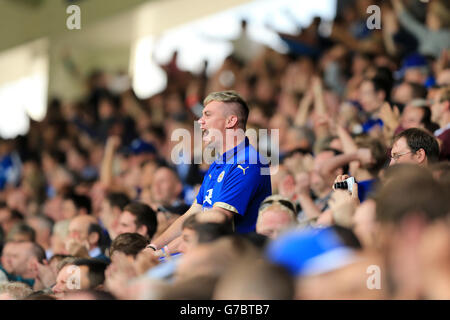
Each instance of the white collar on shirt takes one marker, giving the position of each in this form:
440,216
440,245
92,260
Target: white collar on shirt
95,252
438,132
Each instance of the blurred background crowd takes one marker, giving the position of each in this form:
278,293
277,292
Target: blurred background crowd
93,182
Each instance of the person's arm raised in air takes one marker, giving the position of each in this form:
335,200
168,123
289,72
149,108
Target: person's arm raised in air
420,31
390,28
304,107
362,155
106,169
348,145
303,196
321,126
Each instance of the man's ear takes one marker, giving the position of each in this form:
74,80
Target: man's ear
421,155
447,106
231,121
381,95
31,263
142,230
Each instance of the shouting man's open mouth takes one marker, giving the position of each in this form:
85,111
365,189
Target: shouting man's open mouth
205,135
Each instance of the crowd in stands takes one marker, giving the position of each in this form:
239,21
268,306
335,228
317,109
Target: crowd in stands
86,191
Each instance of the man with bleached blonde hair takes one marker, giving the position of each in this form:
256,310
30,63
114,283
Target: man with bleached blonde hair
238,180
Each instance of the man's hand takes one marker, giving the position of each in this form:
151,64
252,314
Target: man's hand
44,274
398,5
113,142
340,178
390,22
343,204
391,118
287,187
316,84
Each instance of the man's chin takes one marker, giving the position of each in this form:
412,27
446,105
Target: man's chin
207,142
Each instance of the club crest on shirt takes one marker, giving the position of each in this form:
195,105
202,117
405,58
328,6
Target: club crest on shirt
220,178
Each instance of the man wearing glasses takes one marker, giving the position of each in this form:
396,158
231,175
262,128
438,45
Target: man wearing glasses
414,146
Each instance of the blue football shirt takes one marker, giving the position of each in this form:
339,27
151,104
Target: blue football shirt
237,181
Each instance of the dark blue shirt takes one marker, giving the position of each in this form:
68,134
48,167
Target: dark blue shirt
365,188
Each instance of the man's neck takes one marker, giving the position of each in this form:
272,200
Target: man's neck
363,174
376,112
233,138
445,120
26,275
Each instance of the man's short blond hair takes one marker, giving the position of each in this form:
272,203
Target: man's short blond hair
237,104
273,202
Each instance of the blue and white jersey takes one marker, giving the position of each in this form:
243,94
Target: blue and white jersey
238,181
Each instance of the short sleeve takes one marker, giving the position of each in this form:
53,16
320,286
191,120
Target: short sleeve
239,187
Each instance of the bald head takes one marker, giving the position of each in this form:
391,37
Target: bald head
83,220
79,228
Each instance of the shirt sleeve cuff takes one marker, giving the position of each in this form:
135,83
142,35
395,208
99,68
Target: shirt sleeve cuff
226,206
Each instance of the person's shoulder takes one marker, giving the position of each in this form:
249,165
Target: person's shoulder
444,135
252,157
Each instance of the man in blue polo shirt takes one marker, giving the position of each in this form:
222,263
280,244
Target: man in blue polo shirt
238,180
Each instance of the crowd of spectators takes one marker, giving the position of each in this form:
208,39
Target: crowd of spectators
83,194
